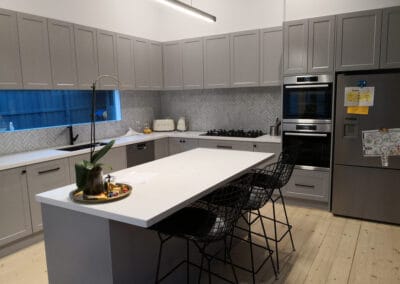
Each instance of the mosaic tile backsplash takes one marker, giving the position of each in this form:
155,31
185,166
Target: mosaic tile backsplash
241,108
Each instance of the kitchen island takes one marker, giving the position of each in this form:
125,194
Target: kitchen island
110,243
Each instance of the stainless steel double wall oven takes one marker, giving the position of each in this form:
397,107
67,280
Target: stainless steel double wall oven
307,119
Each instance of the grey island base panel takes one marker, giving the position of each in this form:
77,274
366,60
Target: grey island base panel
82,248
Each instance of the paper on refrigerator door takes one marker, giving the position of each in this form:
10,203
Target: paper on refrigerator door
359,96
378,142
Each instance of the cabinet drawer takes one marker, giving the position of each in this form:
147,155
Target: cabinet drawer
178,145
228,145
313,185
275,148
42,177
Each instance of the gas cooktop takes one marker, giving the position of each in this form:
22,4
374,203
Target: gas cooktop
234,133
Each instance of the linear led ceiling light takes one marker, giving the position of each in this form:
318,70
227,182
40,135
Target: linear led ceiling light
188,9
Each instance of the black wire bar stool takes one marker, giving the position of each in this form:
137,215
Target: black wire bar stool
209,220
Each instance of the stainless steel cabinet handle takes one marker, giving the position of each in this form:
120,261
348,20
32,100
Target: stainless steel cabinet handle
307,86
48,171
304,185
306,134
224,147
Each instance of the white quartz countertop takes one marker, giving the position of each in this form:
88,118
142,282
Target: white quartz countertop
27,158
164,186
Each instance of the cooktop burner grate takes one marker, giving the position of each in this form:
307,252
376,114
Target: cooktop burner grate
235,133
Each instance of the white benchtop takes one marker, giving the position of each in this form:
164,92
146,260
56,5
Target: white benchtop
27,158
164,186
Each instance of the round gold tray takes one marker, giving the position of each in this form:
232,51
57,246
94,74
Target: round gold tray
78,196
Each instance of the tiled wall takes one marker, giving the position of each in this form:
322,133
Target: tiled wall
239,108
137,108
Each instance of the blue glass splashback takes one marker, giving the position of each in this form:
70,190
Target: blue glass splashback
28,109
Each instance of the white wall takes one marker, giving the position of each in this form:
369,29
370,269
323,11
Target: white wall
134,17
232,15
300,9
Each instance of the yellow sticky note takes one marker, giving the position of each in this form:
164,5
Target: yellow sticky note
358,110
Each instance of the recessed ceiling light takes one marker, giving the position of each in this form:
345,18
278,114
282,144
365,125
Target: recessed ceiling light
188,9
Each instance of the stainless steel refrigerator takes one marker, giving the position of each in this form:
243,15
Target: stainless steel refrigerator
361,187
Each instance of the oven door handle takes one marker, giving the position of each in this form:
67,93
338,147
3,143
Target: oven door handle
306,134
306,86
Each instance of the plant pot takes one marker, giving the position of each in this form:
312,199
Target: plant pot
94,182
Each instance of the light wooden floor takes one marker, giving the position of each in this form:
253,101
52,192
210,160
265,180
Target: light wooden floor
329,249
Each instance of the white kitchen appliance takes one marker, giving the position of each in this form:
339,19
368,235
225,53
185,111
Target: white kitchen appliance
163,125
181,125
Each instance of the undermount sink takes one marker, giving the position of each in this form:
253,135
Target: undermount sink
80,147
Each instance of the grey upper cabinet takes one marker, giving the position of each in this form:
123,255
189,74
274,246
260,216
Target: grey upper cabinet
107,58
216,61
390,48
86,56
156,65
321,45
141,63
126,74
295,47
358,40
15,219
271,51
34,51
172,63
42,177
10,64
245,58
62,52
192,63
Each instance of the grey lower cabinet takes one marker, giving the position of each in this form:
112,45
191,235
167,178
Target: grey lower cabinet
172,63
114,160
141,63
265,147
161,148
271,53
311,185
321,45
10,71
390,44
125,62
226,144
107,59
358,40
42,177
192,63
15,218
86,55
34,52
178,145
216,61
245,58
156,65
295,47
62,54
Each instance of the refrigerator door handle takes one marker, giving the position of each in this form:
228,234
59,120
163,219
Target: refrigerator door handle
306,134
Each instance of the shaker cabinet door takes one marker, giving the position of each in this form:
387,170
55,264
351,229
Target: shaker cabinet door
156,66
192,63
271,52
126,74
295,47
358,40
172,63
34,51
62,52
245,58
86,56
141,62
216,62
107,58
390,49
15,219
321,44
10,64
